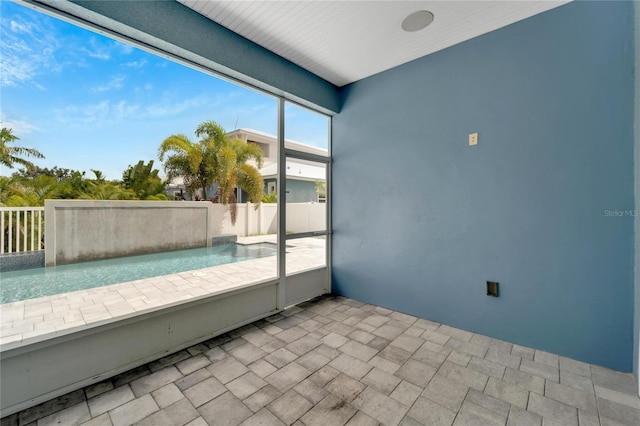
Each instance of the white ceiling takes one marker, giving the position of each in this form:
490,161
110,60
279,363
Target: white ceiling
345,41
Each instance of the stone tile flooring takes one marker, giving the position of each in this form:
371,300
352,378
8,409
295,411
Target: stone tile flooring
336,361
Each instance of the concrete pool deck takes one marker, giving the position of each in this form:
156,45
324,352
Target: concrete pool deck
334,361
29,321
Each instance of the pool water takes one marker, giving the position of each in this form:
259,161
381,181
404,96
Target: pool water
47,281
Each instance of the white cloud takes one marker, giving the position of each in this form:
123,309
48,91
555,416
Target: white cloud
116,82
105,49
105,56
27,47
75,115
108,113
32,45
122,110
167,107
18,27
126,49
98,48
19,127
103,113
136,64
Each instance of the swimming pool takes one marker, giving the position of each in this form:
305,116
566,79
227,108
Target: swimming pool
47,281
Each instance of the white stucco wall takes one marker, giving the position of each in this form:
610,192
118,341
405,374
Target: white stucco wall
301,217
79,230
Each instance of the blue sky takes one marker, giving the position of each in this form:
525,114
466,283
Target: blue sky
89,102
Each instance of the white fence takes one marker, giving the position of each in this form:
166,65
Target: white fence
301,217
22,229
306,217
249,221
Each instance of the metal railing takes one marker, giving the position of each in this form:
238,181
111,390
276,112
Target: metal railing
22,229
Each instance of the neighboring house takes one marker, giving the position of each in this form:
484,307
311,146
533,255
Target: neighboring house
301,176
269,144
176,189
301,181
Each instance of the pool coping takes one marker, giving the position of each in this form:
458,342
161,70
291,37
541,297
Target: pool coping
34,321
45,340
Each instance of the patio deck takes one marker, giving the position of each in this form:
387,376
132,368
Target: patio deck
29,321
336,361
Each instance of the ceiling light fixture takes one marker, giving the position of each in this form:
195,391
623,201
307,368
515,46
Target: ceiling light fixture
417,21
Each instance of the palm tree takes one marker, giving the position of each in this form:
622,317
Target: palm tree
143,179
214,159
10,155
99,175
6,190
186,159
32,192
105,190
25,192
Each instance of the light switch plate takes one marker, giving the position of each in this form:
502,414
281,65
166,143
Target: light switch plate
473,139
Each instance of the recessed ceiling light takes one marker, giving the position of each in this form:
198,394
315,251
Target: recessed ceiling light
417,21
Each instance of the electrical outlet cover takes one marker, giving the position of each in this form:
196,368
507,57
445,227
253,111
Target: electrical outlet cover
473,139
492,288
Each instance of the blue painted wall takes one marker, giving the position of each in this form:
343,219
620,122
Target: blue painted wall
301,191
552,100
298,191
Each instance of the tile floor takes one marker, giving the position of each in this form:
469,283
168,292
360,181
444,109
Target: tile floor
336,361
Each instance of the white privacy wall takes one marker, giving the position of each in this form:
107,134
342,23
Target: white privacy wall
301,217
78,230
